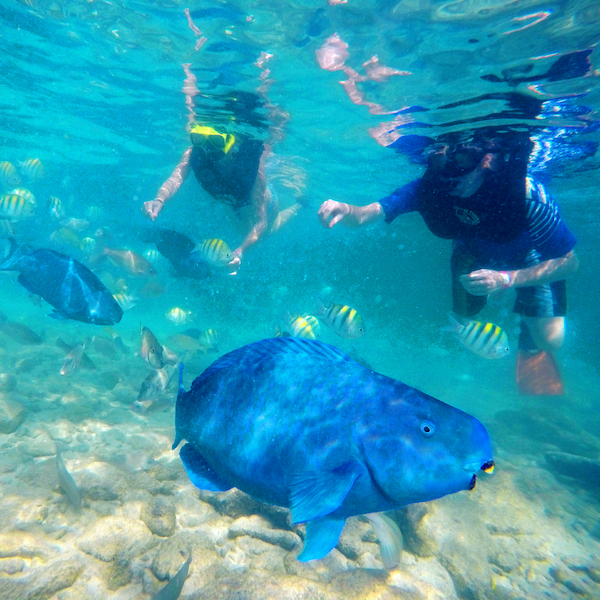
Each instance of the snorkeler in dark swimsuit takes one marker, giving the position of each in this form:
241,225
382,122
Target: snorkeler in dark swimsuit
506,232
231,170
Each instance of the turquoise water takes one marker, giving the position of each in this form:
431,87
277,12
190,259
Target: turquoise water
94,90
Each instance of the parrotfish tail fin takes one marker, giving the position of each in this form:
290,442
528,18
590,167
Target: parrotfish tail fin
9,263
322,535
390,538
455,325
181,390
538,374
180,395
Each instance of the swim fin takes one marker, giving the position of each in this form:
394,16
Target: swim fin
538,374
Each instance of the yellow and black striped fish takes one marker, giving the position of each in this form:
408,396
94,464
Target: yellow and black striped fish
9,177
32,169
215,251
56,208
486,339
14,207
209,338
343,319
314,324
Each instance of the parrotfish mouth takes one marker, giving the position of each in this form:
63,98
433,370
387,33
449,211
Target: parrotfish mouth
487,467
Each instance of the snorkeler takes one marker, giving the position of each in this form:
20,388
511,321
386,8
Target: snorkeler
231,169
507,233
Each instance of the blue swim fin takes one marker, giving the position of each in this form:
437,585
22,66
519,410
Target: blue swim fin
200,472
316,494
322,536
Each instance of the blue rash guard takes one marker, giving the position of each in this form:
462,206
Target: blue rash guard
499,225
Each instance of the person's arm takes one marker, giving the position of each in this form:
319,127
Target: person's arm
170,187
333,212
260,196
404,199
486,281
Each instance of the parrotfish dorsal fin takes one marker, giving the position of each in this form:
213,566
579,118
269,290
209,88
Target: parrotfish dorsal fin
273,347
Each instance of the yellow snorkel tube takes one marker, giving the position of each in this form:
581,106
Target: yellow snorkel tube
202,134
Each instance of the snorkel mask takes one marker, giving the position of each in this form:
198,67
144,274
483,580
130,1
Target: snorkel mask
453,160
202,135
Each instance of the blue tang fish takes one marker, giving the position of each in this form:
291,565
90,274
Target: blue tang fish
298,423
67,285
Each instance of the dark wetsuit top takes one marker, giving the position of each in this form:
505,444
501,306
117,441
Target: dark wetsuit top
229,179
501,222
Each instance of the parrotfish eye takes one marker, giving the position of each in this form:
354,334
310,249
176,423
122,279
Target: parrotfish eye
427,428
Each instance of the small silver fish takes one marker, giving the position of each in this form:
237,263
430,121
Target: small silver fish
72,359
152,351
66,482
156,382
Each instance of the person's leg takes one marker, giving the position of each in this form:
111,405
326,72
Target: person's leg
548,333
542,310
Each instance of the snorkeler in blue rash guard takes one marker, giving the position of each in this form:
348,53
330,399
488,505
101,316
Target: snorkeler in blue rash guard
506,232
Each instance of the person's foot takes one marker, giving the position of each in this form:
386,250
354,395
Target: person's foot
538,374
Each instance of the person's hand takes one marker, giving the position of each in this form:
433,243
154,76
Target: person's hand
484,282
234,264
332,212
151,208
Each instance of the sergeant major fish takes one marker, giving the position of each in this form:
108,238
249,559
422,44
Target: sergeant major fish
9,177
297,423
486,339
67,285
343,319
215,251
14,207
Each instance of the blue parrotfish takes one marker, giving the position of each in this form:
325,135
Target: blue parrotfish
299,424
66,284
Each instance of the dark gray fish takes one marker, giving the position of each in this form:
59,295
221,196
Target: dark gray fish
19,333
66,284
178,249
172,590
66,482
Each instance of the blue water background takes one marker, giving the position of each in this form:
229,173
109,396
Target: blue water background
94,90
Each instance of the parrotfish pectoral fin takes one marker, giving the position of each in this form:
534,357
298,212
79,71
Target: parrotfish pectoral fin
390,539
316,494
322,536
200,472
